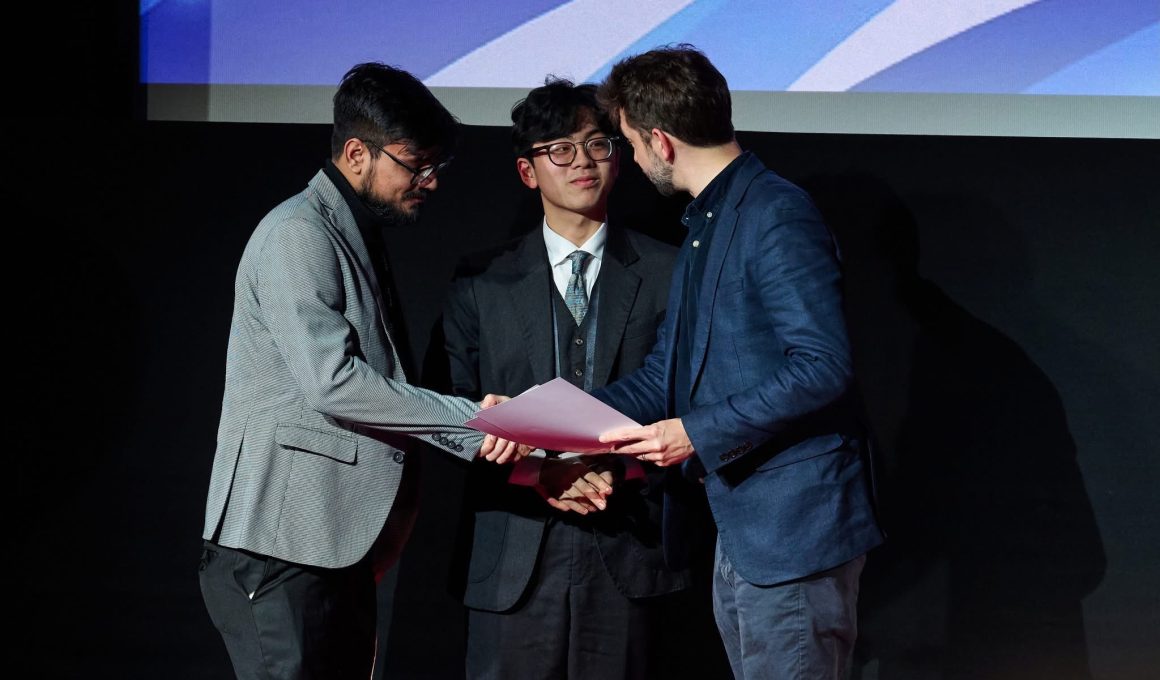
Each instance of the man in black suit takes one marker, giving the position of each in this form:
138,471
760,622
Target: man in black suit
561,594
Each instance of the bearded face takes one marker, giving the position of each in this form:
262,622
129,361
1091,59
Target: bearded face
659,173
393,204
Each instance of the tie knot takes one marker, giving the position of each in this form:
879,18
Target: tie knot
578,258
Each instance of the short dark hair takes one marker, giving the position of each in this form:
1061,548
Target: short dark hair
675,88
386,105
555,109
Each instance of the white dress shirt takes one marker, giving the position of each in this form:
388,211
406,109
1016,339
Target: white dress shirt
559,248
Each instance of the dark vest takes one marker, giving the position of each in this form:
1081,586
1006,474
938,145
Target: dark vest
575,345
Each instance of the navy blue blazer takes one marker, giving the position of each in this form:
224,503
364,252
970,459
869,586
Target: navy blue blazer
773,417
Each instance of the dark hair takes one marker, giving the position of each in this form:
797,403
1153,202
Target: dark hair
675,88
385,105
555,109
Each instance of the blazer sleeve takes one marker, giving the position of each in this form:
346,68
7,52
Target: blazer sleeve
795,269
462,339
301,298
640,395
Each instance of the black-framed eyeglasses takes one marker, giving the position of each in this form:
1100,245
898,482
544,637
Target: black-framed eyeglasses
419,176
563,153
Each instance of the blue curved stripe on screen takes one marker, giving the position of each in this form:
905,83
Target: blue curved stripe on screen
314,43
1012,53
1052,46
754,46
1126,68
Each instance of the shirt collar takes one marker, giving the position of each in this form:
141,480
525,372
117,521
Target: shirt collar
559,248
713,195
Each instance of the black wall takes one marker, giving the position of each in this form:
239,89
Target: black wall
1002,299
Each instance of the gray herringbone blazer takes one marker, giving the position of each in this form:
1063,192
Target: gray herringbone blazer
317,412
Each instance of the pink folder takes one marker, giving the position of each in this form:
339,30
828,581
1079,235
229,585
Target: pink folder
556,415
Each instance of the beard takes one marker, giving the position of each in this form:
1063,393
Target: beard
660,174
390,212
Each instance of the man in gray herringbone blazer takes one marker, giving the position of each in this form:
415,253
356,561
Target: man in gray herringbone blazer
306,496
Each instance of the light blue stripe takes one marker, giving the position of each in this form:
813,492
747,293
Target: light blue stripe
756,44
1130,67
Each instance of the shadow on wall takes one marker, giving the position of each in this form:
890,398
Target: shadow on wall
992,541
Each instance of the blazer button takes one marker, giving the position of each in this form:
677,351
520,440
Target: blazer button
400,456
579,341
435,437
458,447
579,373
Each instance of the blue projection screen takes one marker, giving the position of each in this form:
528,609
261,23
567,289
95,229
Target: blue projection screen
1058,68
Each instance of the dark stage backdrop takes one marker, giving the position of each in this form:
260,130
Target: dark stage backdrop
1003,303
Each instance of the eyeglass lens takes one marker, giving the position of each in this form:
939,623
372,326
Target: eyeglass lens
598,149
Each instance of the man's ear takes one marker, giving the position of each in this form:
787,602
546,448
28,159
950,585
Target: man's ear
527,173
355,155
663,144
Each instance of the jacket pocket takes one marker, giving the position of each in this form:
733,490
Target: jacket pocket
332,445
810,448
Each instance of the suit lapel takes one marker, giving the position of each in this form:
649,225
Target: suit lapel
672,324
338,213
617,288
719,244
532,302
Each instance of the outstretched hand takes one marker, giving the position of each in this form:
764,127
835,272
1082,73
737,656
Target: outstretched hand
664,442
497,449
493,400
500,450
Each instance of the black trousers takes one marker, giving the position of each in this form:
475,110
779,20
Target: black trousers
283,620
573,623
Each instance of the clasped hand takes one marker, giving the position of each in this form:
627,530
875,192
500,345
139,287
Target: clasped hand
572,486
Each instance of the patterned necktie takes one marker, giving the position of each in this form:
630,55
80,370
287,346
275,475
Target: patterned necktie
576,297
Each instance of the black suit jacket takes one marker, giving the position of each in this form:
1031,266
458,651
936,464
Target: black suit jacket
499,339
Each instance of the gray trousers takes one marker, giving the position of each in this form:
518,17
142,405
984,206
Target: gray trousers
799,630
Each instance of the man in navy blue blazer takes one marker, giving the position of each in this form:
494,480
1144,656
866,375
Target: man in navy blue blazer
749,387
